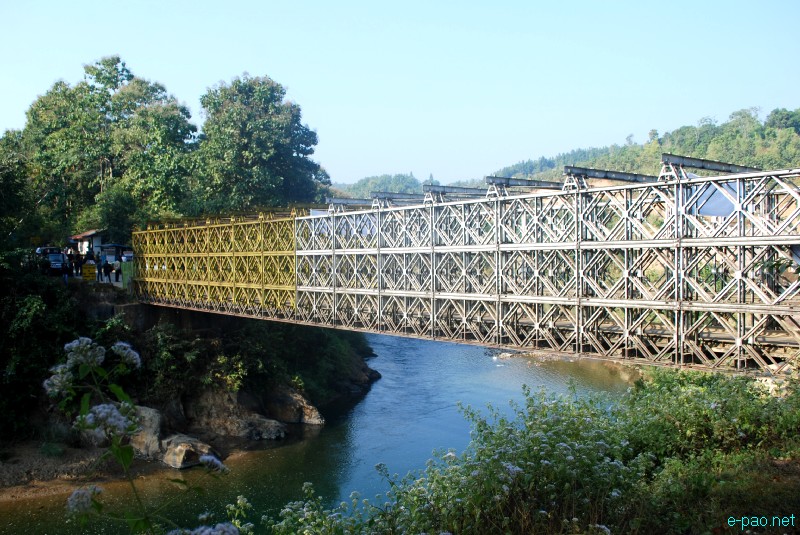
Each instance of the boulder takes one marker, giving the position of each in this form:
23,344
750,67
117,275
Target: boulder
93,438
258,427
217,412
287,405
146,441
182,451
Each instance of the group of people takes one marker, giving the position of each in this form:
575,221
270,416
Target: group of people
104,268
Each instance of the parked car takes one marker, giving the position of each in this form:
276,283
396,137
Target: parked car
47,250
57,262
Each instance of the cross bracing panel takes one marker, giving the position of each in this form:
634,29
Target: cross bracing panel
685,271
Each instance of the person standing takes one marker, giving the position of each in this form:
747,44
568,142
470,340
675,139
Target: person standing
117,269
101,266
66,269
107,271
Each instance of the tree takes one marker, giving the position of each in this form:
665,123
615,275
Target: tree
400,183
151,143
783,118
68,150
111,130
12,183
254,151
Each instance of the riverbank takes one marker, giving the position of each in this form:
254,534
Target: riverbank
27,471
680,452
35,468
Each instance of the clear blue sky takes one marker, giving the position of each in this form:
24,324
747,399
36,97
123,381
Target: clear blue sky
457,89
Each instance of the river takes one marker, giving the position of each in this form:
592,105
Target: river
410,412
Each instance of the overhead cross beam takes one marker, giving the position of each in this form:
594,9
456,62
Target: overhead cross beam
453,190
396,196
710,165
611,175
521,182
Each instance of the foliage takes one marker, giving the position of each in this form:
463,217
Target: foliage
108,414
13,199
113,131
254,152
706,411
582,465
744,140
37,316
400,183
241,353
529,168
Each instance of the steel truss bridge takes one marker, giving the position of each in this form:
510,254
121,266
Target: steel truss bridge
677,269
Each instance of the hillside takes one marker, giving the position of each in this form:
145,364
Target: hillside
743,139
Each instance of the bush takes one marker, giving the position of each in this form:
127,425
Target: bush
679,453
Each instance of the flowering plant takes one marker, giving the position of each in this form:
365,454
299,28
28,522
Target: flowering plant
107,414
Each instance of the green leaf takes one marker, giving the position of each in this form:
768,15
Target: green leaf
123,454
136,524
119,392
83,370
85,403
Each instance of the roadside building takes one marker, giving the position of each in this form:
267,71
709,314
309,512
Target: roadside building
90,240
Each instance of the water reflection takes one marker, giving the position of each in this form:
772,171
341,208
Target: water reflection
410,412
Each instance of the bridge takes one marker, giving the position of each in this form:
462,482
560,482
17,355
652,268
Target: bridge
676,269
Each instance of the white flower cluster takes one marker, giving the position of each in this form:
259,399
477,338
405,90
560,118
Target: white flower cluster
212,463
127,354
109,419
80,501
512,469
84,351
220,529
60,382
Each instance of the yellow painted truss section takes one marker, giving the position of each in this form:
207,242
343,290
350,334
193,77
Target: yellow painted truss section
240,267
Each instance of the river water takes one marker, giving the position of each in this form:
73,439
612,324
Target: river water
410,412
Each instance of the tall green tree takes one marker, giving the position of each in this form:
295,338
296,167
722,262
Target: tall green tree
151,143
254,150
111,131
13,198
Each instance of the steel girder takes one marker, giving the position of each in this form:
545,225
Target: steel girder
685,271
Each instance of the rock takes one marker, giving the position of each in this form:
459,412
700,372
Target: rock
147,441
172,414
218,412
182,451
258,427
287,405
93,438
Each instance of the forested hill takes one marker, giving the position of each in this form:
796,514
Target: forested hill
743,139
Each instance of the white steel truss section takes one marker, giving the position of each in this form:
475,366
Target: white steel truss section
469,272
356,230
406,228
465,224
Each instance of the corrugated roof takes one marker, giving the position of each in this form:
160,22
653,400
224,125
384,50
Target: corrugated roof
87,234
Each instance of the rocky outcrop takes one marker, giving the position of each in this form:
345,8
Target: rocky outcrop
183,451
217,412
177,450
217,416
287,405
146,441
